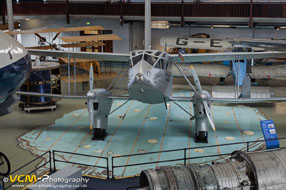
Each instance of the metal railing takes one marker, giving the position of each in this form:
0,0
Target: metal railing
51,160
184,157
42,156
81,164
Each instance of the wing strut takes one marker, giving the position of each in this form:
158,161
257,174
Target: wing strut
119,106
165,103
192,117
118,77
185,77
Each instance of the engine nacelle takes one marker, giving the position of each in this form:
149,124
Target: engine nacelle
102,106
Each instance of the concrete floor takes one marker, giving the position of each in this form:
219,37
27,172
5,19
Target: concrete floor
18,122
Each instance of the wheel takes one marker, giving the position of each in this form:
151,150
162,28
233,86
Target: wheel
4,165
202,137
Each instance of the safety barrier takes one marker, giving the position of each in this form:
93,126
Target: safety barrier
42,156
81,164
183,151
51,159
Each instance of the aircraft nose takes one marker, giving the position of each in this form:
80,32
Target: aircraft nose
139,77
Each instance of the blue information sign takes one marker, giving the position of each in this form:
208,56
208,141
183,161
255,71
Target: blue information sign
269,133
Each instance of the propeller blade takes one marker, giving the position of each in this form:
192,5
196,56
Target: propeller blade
90,112
42,38
196,78
55,37
209,114
91,77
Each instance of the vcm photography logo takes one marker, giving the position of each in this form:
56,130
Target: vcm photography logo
23,178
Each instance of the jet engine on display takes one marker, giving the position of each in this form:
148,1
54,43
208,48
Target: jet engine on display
259,170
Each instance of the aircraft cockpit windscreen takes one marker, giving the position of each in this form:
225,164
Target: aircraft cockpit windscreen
150,59
156,59
135,59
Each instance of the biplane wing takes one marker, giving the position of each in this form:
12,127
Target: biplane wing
48,30
202,57
90,38
98,56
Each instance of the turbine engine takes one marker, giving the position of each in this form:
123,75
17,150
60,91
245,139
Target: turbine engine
252,171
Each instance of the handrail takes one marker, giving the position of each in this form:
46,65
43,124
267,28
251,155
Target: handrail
78,154
27,164
184,158
52,158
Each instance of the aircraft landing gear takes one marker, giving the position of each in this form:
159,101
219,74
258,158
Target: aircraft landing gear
201,137
99,134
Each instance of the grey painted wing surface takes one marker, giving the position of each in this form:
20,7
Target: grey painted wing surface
248,100
115,57
50,95
263,43
65,96
202,57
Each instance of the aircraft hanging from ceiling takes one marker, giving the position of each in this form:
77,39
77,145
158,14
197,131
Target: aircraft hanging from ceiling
74,41
94,40
150,81
222,44
239,69
196,43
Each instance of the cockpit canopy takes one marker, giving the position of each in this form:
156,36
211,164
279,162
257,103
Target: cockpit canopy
157,59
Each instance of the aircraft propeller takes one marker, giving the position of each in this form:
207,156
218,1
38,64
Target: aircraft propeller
90,98
204,98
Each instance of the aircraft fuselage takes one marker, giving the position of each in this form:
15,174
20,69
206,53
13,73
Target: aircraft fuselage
15,66
150,77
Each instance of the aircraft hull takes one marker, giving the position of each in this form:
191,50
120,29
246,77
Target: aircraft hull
13,76
145,93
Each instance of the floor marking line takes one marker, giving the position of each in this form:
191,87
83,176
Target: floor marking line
258,114
42,130
115,131
164,134
237,124
217,141
82,141
67,129
137,137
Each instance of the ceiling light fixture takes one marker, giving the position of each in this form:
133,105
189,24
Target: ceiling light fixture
221,26
160,24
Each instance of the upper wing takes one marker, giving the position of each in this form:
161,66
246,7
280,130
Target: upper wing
116,57
261,43
48,30
50,95
202,57
63,96
248,100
